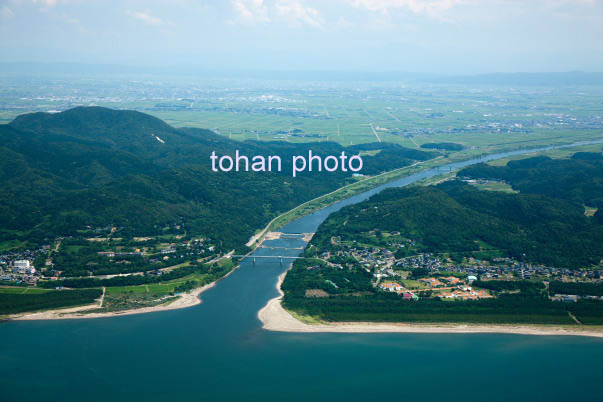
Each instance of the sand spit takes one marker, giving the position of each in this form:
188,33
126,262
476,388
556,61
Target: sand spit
275,318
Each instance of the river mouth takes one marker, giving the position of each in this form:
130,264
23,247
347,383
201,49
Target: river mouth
217,351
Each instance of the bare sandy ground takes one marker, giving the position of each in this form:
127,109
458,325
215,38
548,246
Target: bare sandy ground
275,318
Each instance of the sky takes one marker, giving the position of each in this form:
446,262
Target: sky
430,36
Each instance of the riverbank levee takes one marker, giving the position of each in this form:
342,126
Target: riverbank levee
368,183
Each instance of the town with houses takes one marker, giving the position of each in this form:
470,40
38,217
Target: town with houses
442,277
136,256
19,268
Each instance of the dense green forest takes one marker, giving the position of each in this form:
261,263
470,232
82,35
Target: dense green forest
96,166
578,179
523,286
576,288
312,273
12,303
456,217
392,308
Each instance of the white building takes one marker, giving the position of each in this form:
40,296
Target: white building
23,266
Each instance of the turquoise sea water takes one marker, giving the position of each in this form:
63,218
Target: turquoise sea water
217,351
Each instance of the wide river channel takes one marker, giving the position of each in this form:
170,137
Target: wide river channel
217,351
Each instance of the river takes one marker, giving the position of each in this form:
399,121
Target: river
217,351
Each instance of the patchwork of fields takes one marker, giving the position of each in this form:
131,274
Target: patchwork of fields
411,114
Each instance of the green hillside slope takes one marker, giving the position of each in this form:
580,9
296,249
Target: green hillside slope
92,166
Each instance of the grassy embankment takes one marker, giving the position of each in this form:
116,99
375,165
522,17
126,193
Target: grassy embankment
121,298
369,183
117,298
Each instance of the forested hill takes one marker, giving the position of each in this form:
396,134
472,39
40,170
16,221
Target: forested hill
578,179
455,217
96,166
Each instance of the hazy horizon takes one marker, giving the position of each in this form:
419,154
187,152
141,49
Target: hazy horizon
451,37
182,68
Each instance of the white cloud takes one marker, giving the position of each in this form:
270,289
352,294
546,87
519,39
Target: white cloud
435,7
146,17
432,8
292,12
47,3
5,12
251,11
343,23
73,21
297,13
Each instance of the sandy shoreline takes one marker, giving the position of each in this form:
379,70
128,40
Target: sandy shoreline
187,299
184,300
275,318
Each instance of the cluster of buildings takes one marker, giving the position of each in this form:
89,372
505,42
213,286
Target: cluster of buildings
399,289
489,125
385,265
449,287
508,268
200,247
428,261
374,257
18,267
465,293
390,273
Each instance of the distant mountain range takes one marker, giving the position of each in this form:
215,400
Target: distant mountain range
519,78
96,166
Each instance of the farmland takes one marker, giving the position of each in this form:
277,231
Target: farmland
479,117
